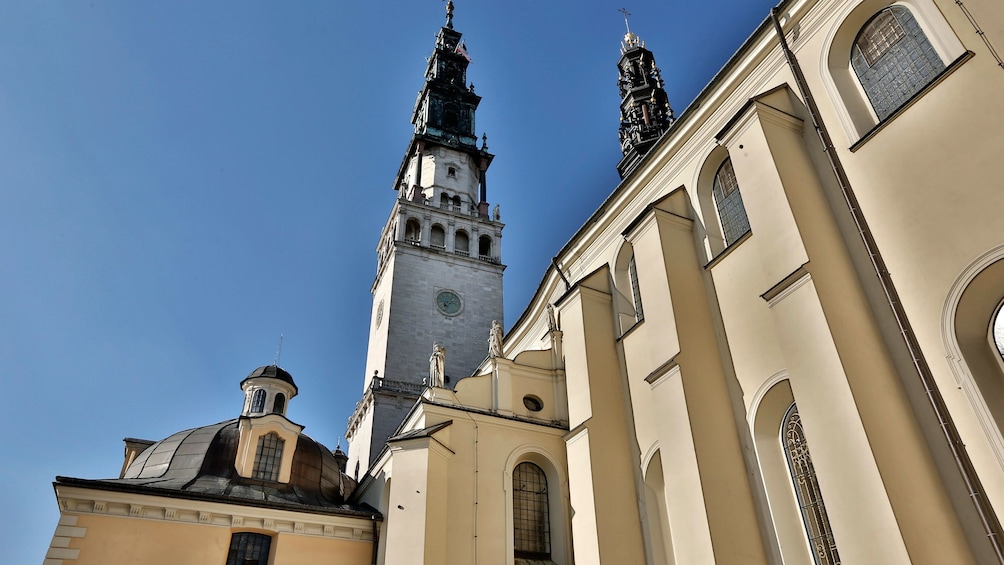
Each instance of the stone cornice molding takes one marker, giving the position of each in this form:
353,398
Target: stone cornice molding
82,500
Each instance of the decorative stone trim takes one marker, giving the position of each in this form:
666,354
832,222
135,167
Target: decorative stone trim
83,501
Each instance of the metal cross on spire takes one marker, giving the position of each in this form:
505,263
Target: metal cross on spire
278,352
626,14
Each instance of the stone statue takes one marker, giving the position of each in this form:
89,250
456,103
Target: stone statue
437,366
495,340
496,214
552,324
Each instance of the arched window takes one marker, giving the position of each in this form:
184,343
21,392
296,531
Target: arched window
279,404
810,500
258,401
485,248
531,516
249,548
998,330
462,243
893,59
438,237
413,231
268,458
456,203
639,315
735,224
628,296
444,200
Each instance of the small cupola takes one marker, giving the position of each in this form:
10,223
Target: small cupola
267,390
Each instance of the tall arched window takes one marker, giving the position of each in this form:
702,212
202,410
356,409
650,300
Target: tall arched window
639,314
258,401
279,404
444,200
893,59
249,548
530,513
462,243
810,500
438,237
268,458
735,224
485,248
998,330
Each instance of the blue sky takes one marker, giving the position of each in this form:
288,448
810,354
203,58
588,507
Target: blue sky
181,182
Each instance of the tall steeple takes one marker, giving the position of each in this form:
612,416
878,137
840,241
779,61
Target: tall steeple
645,110
439,259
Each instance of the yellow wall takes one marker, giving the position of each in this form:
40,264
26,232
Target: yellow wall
112,540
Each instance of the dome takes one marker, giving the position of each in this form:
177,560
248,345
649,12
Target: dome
201,461
271,371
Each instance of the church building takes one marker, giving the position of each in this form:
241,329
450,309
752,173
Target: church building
773,343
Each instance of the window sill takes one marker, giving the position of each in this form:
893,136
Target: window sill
725,252
631,329
920,94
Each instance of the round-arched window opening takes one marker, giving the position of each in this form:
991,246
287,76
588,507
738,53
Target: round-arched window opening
532,403
998,330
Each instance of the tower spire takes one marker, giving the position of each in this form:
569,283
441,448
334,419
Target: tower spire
645,112
449,14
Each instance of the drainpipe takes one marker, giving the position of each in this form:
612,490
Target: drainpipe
376,538
991,526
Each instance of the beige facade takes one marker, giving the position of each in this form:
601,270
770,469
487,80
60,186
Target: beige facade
821,386
677,406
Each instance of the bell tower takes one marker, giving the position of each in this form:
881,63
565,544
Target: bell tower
439,266
645,110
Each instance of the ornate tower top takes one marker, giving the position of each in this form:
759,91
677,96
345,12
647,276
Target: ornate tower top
645,110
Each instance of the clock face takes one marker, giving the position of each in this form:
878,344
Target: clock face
448,302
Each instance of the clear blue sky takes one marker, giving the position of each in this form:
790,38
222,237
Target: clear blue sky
181,182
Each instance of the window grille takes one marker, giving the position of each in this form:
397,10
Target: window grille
639,314
731,211
530,516
810,500
279,404
893,59
268,458
247,548
258,401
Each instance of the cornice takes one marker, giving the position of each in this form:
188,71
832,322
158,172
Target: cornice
83,500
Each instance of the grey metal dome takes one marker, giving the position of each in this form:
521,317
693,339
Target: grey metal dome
201,461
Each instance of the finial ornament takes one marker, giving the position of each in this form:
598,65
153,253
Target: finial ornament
449,14
630,39
626,14
278,352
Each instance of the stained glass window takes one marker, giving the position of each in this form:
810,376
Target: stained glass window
893,59
639,314
810,500
735,224
531,523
